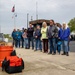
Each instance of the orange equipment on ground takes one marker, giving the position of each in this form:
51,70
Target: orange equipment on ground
5,51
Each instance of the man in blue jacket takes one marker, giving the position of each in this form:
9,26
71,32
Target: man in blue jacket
64,34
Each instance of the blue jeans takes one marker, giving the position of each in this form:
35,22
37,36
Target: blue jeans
65,46
22,40
58,44
32,40
68,45
38,44
14,42
52,42
26,42
18,43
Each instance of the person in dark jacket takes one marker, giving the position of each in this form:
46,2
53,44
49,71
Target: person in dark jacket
37,37
14,37
64,36
52,34
22,39
58,40
30,36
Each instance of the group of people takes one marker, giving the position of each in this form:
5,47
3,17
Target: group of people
52,36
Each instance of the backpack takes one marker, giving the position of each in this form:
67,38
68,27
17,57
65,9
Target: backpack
13,64
13,53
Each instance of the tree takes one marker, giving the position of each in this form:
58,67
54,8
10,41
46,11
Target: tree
72,24
7,36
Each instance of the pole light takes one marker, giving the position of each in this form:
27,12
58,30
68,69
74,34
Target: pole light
27,20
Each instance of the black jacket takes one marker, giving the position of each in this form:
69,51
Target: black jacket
30,32
37,33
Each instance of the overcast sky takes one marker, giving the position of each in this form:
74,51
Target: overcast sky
59,10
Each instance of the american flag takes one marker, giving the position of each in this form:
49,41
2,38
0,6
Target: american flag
13,9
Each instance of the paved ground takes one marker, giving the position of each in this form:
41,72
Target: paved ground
38,63
72,46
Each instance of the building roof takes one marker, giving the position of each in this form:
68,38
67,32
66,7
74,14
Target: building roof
39,21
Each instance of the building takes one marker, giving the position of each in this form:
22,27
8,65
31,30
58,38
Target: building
39,22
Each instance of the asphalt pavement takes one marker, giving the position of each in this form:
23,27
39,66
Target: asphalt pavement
72,46
39,63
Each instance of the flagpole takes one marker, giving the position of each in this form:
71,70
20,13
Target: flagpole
13,10
14,19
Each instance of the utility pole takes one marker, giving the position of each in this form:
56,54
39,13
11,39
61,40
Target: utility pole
27,20
0,28
31,18
36,10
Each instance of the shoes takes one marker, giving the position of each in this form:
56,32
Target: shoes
32,48
35,50
63,53
49,53
26,48
54,54
59,53
67,54
40,50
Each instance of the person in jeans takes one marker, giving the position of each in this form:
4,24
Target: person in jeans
30,36
22,39
44,37
52,34
18,36
24,35
37,37
14,37
64,36
58,40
